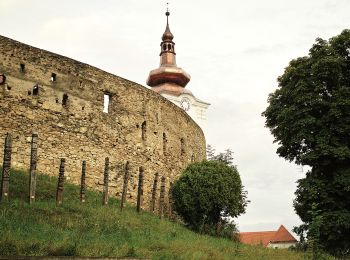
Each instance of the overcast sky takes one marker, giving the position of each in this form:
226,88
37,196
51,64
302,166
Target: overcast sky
233,50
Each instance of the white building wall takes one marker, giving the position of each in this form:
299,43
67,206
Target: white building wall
282,245
197,109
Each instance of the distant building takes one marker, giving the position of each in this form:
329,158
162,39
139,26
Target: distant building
275,239
170,81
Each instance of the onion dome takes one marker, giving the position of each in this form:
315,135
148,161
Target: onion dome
168,78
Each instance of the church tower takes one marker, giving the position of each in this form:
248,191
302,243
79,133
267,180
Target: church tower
170,81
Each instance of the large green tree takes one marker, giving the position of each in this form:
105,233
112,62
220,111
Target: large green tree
309,116
206,193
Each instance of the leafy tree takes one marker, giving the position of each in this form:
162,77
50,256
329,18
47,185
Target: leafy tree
309,116
207,193
210,152
225,157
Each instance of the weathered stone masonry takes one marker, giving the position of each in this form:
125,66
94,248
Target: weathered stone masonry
63,101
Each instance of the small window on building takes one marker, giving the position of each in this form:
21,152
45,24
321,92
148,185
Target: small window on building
65,99
22,67
53,77
169,46
106,100
144,130
182,141
164,143
164,47
35,90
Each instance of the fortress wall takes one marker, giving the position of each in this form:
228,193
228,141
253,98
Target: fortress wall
77,128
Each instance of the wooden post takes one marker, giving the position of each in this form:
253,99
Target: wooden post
125,185
82,182
5,181
170,197
154,192
140,190
60,184
105,182
161,197
32,168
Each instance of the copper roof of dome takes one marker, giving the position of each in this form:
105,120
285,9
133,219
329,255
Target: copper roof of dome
168,72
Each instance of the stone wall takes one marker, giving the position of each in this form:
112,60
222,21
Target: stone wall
63,100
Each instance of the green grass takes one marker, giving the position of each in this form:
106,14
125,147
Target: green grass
90,229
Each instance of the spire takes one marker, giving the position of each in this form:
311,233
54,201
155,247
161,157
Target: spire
167,35
168,77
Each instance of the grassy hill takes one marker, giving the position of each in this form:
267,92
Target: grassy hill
90,229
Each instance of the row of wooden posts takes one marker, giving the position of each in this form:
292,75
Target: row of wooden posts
5,182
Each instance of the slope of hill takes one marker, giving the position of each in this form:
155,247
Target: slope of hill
90,229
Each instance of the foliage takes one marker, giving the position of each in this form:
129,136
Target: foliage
208,192
323,205
225,157
309,116
93,230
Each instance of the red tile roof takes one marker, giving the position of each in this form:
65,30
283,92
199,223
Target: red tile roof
265,237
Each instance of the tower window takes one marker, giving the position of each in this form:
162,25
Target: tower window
164,47
169,46
106,99
35,90
53,77
22,67
64,99
144,130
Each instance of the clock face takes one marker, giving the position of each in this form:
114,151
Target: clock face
185,104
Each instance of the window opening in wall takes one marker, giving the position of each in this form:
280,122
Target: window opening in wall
106,99
164,143
64,99
36,90
53,77
29,92
57,100
22,67
182,140
8,87
82,108
144,130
